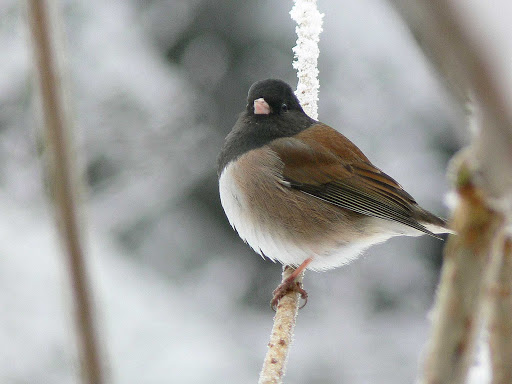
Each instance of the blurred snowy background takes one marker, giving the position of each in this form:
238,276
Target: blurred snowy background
156,86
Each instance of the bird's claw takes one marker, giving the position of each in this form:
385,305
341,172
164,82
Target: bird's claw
284,288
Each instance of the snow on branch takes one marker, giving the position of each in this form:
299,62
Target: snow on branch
309,26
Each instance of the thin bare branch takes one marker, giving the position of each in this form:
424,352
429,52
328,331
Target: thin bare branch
472,264
472,75
63,171
500,311
457,317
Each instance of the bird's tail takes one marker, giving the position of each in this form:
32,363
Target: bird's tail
434,223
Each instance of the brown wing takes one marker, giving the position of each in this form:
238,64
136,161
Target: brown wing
325,164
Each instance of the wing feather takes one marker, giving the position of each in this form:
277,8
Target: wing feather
325,164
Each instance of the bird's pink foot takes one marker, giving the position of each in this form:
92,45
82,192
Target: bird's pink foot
289,285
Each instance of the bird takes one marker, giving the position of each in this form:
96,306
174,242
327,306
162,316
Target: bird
299,192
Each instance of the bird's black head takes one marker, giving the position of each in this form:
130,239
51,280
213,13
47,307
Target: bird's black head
277,94
272,112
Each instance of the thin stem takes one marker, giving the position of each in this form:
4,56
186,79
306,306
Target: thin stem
63,170
274,365
500,312
448,39
457,314
306,52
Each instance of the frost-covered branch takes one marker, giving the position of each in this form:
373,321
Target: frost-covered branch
63,170
274,365
309,27
306,52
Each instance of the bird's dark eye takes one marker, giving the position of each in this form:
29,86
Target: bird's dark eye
284,107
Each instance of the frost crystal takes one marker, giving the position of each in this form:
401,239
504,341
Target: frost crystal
309,26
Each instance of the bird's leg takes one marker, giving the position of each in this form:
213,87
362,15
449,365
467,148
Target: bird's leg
290,285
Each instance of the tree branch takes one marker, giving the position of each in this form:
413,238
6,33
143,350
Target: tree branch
474,259
274,365
500,311
309,27
306,52
457,317
472,76
62,168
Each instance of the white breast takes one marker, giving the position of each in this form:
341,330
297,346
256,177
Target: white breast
231,198
251,227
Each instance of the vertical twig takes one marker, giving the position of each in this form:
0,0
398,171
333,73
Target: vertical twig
64,173
309,27
274,365
306,52
447,41
457,316
460,57
500,311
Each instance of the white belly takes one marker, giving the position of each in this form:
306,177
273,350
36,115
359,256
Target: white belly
251,228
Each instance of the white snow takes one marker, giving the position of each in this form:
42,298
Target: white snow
306,52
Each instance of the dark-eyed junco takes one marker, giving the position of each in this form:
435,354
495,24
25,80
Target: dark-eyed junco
299,192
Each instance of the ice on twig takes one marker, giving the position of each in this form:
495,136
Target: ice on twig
309,26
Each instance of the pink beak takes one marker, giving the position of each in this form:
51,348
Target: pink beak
261,107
